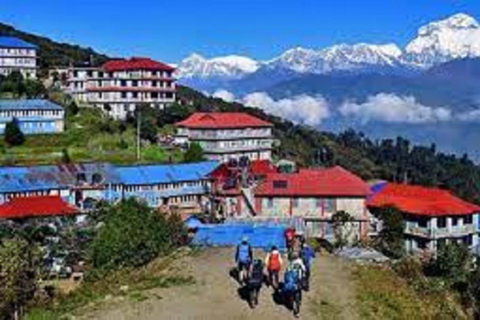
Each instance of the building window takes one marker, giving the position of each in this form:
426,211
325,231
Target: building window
269,202
319,203
454,221
330,205
441,222
468,219
296,202
422,222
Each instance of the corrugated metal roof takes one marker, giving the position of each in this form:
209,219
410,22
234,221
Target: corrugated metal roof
33,178
153,174
28,104
12,42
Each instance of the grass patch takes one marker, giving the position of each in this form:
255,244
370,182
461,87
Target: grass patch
382,294
99,287
326,310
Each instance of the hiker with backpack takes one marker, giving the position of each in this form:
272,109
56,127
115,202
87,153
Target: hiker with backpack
273,262
243,258
292,284
307,254
254,282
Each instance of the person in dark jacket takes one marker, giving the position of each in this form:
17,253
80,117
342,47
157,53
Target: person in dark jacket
243,258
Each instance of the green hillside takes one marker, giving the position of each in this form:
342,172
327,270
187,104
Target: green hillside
52,53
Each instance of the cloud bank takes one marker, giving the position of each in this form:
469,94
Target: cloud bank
300,109
388,107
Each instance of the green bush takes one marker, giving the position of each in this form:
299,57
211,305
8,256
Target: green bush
132,235
13,135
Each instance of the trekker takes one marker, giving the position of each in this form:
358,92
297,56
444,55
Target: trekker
307,254
289,237
243,258
273,262
254,282
292,284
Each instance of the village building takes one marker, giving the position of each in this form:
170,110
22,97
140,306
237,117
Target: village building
227,135
18,55
432,216
36,207
34,116
119,86
311,197
182,187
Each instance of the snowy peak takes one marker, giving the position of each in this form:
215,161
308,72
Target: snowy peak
231,66
455,37
452,38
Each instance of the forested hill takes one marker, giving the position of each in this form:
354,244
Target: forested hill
390,159
52,53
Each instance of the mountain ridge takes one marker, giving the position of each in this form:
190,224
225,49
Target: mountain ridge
454,37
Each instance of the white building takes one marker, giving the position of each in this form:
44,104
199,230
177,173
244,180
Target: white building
432,216
118,86
17,55
226,135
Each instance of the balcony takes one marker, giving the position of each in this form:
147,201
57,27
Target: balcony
216,149
437,233
216,135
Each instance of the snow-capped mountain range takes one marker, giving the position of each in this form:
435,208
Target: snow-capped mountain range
455,37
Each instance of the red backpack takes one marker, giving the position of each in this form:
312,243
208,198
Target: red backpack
274,262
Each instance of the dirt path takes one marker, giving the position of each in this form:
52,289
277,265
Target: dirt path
215,294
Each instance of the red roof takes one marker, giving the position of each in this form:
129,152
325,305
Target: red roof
262,167
38,206
222,120
421,201
135,63
334,181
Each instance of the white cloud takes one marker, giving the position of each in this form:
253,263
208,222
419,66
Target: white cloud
392,108
470,116
301,109
224,94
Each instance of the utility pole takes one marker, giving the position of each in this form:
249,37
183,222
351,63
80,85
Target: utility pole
138,134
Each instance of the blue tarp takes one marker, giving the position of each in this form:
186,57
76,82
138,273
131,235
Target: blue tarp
193,222
224,235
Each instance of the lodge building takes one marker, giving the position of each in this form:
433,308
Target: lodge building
35,116
432,216
17,55
119,86
227,135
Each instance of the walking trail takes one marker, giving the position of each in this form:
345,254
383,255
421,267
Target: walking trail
215,294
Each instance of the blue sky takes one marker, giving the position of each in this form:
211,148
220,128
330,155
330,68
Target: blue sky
169,30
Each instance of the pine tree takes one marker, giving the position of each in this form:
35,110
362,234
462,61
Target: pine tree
13,135
194,153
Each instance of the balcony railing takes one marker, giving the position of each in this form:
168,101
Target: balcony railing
236,148
442,232
223,136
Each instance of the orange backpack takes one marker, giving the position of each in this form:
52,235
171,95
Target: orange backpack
274,262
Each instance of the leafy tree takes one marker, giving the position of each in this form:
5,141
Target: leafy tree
194,153
19,270
452,262
148,122
13,135
473,290
390,238
341,227
34,89
132,235
72,109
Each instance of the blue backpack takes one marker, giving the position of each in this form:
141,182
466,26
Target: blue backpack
244,253
290,281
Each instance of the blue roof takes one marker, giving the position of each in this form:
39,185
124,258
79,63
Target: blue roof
28,104
154,174
32,178
12,42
